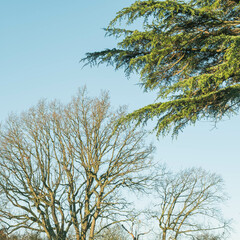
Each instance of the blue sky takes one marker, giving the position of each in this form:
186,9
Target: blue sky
40,47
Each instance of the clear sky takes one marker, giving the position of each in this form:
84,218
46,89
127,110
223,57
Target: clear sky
41,44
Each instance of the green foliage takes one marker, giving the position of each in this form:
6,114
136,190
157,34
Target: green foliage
187,51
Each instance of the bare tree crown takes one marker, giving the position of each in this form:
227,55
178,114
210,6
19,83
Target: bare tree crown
62,166
188,203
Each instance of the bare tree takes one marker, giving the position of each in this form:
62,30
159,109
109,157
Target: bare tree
207,236
63,166
112,233
188,203
135,235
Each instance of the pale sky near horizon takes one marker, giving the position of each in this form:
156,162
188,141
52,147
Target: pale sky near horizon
40,47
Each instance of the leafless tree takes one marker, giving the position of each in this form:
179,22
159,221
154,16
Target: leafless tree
112,233
188,203
135,235
207,236
63,166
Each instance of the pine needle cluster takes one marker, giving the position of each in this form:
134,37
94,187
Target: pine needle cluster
186,51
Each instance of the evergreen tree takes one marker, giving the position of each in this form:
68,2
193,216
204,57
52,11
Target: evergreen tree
187,51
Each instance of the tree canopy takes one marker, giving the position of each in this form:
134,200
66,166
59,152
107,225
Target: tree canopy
64,167
187,205
186,51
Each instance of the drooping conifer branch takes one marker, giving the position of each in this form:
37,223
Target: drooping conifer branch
188,51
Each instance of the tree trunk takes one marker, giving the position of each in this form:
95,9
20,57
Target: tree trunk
92,229
60,236
77,234
83,236
164,235
96,214
84,232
